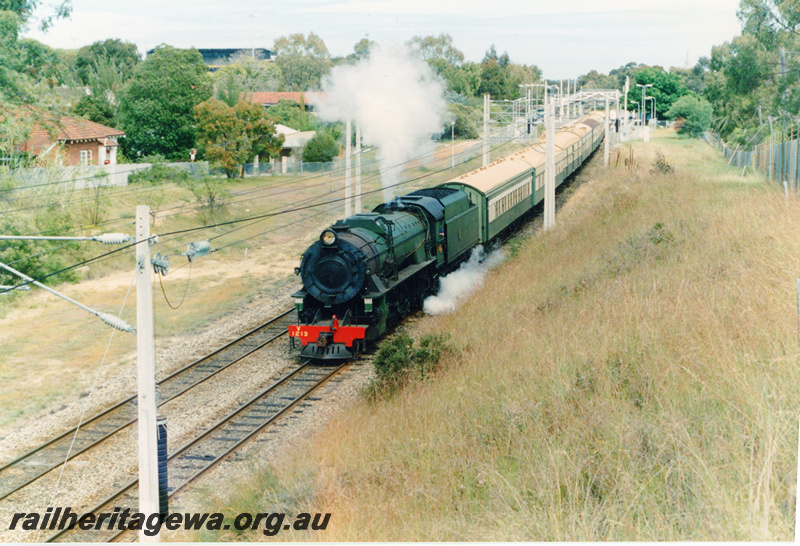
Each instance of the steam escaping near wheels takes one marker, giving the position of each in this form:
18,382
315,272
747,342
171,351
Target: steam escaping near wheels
463,282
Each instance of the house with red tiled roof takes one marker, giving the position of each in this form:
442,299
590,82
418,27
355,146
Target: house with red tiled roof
310,99
74,141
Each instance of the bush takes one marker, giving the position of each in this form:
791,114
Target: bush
696,114
320,149
210,191
660,164
466,120
159,174
399,362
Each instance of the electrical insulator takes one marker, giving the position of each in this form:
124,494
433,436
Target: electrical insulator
160,264
113,238
197,250
116,322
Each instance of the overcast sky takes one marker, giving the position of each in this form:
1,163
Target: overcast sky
565,38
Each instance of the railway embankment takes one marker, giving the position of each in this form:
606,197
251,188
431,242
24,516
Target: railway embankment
630,374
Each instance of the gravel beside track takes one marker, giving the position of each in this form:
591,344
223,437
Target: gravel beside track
85,477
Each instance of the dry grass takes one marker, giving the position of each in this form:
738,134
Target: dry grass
633,377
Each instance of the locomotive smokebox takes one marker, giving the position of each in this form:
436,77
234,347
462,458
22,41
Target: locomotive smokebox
334,268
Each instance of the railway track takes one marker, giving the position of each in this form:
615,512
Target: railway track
30,466
223,438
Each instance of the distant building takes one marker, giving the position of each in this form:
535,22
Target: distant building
74,141
294,140
309,99
217,58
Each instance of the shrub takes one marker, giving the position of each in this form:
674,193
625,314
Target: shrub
398,361
320,149
695,112
660,164
159,174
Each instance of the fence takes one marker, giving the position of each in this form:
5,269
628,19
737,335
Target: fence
89,176
776,157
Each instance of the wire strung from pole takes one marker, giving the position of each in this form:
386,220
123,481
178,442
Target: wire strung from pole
185,291
232,222
309,200
86,401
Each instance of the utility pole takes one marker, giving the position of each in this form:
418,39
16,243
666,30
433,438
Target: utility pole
606,143
147,404
643,111
550,167
486,106
452,144
358,168
627,88
348,152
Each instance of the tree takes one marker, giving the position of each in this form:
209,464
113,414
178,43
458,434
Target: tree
157,107
303,61
464,80
360,51
228,90
466,120
291,114
123,56
322,148
495,78
769,20
24,10
27,72
437,47
40,62
229,137
249,74
95,109
595,80
666,87
695,112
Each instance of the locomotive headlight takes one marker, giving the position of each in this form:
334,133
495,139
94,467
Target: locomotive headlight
328,237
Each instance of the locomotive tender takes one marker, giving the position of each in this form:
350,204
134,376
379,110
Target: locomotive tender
368,271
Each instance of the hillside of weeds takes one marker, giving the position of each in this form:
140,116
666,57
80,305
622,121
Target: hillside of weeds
629,375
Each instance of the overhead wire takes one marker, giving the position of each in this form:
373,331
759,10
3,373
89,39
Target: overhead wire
231,222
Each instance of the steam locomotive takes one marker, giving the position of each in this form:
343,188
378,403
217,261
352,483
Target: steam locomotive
368,271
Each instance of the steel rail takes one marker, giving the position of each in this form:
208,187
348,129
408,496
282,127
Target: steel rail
28,467
127,495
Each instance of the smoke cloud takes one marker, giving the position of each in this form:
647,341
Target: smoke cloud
396,99
463,282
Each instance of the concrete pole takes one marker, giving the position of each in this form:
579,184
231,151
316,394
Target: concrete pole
348,158
544,103
606,143
358,168
550,167
486,105
626,89
148,442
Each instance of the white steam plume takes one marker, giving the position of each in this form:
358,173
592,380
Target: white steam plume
395,98
463,282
